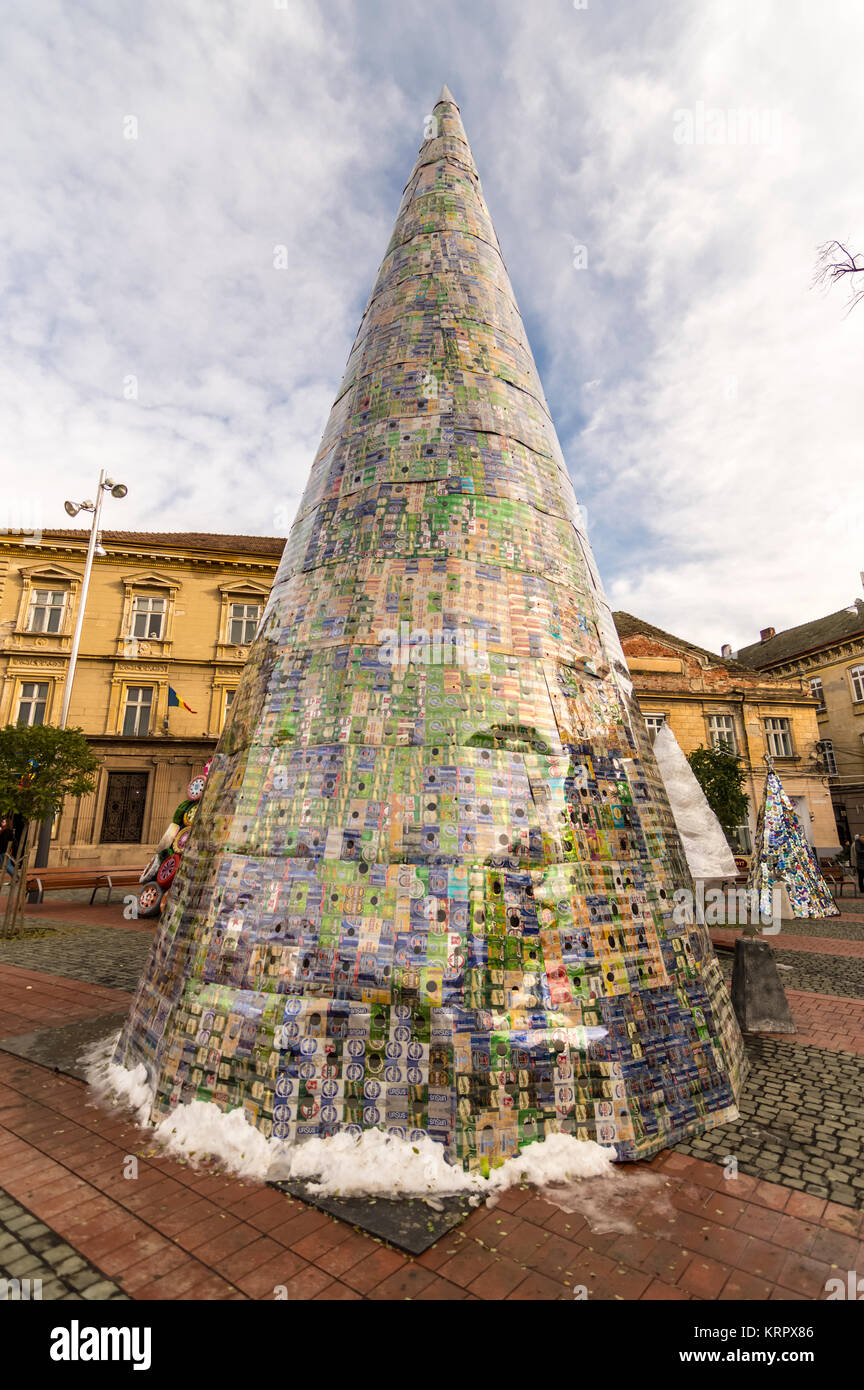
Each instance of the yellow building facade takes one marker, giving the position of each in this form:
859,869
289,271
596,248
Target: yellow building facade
164,612
828,655
713,700
177,612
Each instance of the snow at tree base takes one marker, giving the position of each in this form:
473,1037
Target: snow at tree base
429,886
705,845
783,856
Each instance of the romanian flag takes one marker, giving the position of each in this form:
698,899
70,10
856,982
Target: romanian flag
174,699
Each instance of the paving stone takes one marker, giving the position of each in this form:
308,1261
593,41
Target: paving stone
796,1111
57,1253
814,972
98,955
102,1290
84,1279
832,928
25,1267
63,1272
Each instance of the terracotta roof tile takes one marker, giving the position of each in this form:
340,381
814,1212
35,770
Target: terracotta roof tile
185,540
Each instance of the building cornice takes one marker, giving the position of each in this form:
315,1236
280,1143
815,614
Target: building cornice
188,557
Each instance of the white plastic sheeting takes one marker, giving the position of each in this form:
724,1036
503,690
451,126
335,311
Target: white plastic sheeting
705,845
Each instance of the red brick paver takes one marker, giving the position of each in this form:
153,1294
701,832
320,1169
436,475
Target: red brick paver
694,1235
828,1020
30,999
177,1233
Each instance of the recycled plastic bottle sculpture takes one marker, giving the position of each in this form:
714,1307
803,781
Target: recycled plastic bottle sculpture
429,886
783,856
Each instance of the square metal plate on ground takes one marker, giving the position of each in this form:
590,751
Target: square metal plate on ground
409,1223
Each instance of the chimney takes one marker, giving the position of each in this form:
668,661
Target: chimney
766,633
726,650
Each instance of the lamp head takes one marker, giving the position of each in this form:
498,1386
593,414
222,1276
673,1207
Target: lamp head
72,508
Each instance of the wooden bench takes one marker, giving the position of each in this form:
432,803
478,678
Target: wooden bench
836,876
42,880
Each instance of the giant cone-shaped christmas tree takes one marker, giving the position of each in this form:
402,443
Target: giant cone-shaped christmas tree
430,883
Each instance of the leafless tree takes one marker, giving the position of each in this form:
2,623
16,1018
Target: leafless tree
833,263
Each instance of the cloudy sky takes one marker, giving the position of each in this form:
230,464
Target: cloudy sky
708,400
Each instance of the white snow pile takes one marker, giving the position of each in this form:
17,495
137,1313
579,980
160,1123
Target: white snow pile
705,845
200,1131
373,1164
114,1086
376,1164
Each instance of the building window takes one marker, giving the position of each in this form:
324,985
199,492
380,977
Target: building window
148,617
778,738
226,706
828,757
654,723
136,713
46,610
34,698
856,675
721,728
741,839
244,623
819,693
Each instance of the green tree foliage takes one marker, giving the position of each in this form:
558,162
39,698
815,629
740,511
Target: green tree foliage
39,767
721,777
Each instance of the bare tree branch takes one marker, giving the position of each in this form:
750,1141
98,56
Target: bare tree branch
833,263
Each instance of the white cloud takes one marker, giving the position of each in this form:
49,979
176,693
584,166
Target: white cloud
720,459
708,401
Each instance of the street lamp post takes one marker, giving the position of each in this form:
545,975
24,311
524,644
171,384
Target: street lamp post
117,490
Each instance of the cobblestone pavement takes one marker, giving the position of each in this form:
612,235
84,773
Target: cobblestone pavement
802,1121
99,955
843,975
30,1251
830,927
817,974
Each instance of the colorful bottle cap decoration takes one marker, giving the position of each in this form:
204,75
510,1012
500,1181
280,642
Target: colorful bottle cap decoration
429,886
